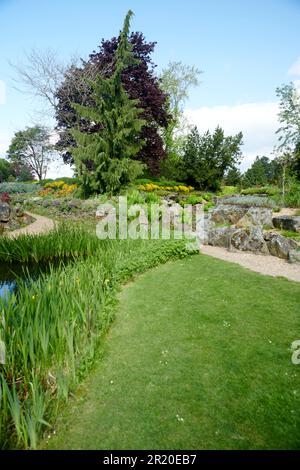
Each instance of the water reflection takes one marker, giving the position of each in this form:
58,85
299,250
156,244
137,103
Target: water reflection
7,288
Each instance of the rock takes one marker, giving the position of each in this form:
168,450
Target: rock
19,211
294,256
287,222
250,239
170,198
104,210
4,212
219,236
256,216
280,246
227,214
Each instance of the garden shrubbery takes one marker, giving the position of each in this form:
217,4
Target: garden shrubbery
269,190
249,201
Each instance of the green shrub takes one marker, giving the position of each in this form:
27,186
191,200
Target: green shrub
292,196
135,197
193,199
208,206
152,198
207,196
19,187
249,201
228,190
269,190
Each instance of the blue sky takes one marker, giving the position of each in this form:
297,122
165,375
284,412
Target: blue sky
246,48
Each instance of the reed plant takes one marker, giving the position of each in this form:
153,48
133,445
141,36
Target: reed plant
66,241
52,328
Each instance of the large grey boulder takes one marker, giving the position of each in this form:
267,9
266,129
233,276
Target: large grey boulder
241,216
294,256
249,239
220,236
258,217
4,212
227,214
280,246
287,222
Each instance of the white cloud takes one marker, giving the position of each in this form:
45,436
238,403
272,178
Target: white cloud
59,169
257,121
295,68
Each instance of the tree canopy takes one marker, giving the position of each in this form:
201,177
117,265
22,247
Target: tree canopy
139,81
31,148
209,156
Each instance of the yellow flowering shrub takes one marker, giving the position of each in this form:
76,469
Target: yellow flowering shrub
58,188
153,187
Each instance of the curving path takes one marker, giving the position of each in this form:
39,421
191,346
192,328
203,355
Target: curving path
40,225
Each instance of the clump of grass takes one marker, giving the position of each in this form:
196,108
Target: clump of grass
52,327
291,234
61,243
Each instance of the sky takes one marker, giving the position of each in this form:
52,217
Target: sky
245,48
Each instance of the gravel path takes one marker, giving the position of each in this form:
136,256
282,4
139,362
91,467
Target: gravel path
268,265
40,225
285,211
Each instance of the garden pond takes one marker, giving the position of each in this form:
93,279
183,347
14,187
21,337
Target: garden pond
11,273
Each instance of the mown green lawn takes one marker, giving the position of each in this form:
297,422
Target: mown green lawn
198,358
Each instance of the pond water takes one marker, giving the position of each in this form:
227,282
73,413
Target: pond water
11,272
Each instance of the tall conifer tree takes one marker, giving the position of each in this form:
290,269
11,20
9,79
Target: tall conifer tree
104,159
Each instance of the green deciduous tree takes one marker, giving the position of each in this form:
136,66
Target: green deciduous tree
104,157
32,149
176,81
289,131
208,157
